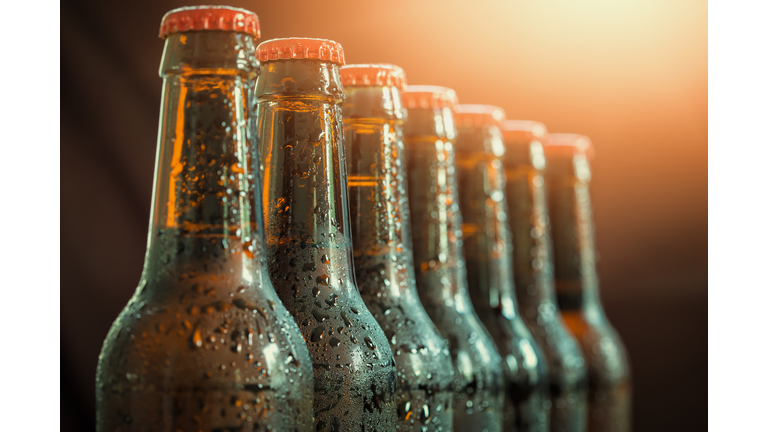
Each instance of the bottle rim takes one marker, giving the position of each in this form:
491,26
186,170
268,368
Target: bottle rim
474,115
206,17
369,75
522,131
300,48
568,145
429,96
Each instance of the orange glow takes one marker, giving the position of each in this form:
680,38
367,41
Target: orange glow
629,74
176,166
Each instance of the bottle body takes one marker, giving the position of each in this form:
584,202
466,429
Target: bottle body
534,287
576,284
380,223
204,343
309,247
441,272
487,246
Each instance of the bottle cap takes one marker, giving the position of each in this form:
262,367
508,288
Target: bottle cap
478,115
300,49
423,96
568,145
373,75
522,131
198,18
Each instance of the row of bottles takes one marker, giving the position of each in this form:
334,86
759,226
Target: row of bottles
333,250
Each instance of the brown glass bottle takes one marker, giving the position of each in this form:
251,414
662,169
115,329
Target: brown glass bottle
531,256
441,278
488,250
378,203
205,344
308,238
576,282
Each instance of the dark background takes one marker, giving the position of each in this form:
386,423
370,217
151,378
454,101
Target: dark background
630,74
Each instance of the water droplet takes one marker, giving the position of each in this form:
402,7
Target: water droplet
317,333
196,341
369,343
332,301
320,316
347,322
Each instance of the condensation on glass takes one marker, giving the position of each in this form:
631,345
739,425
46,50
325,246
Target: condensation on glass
204,344
441,277
576,282
488,250
532,266
308,238
380,222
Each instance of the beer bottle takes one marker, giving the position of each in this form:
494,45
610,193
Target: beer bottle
576,282
488,251
308,238
378,204
205,344
531,255
441,278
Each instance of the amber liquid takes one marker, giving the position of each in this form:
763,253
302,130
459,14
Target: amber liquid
205,344
491,286
441,281
309,247
535,293
384,269
576,283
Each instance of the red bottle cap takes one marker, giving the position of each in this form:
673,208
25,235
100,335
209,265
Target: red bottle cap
197,18
568,145
424,96
300,48
373,75
478,115
522,131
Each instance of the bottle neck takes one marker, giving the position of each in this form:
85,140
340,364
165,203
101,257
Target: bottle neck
205,218
378,201
570,210
433,199
529,226
487,243
430,124
305,185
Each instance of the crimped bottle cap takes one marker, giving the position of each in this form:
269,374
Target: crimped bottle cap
478,115
522,131
373,75
199,18
424,96
568,145
300,49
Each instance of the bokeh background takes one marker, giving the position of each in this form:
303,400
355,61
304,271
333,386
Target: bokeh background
630,74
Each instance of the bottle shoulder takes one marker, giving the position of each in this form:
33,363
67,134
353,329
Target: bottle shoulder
197,338
604,352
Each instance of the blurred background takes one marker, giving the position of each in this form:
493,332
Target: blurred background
630,74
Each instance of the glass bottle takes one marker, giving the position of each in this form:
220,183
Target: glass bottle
308,238
205,344
576,282
532,264
373,138
441,278
488,250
